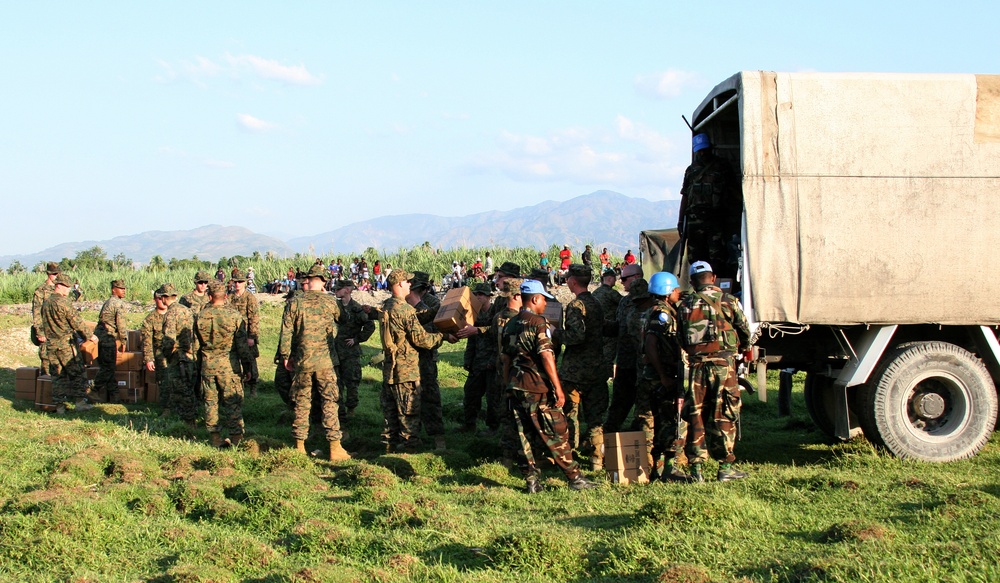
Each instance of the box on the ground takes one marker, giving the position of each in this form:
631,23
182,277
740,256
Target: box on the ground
88,350
152,392
129,361
625,458
43,393
134,341
131,395
91,372
128,379
456,311
554,313
24,382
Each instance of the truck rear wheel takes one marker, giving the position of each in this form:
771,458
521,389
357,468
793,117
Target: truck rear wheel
821,404
931,401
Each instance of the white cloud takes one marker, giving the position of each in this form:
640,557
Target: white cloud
235,67
272,69
254,124
221,164
665,84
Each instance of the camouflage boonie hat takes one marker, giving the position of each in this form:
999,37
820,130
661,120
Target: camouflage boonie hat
118,284
165,290
510,268
63,279
397,276
342,283
52,268
420,280
216,287
238,275
482,288
511,287
320,271
202,277
639,289
579,270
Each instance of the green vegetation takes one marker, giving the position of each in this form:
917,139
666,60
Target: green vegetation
120,494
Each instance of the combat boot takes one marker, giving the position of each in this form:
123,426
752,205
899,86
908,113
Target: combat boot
61,409
300,446
675,474
235,440
597,457
83,405
581,483
439,443
728,474
696,476
215,439
337,452
533,486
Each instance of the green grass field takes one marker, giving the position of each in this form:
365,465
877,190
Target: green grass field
120,494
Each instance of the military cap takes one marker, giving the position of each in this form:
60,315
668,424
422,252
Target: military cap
511,287
420,280
52,268
216,287
238,275
531,286
700,267
609,273
164,290
342,283
482,288
397,276
318,270
202,277
510,268
118,284
579,270
539,274
63,279
639,289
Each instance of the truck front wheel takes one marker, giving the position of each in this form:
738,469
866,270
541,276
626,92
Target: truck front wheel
931,401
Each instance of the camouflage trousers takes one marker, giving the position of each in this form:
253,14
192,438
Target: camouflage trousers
107,360
250,365
715,408
324,383
481,383
705,242
663,410
401,409
68,379
283,383
43,354
223,389
644,414
535,419
510,442
586,403
622,399
431,412
348,380
179,388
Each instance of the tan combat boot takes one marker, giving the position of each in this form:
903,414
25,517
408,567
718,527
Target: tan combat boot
300,446
337,452
597,458
215,439
83,405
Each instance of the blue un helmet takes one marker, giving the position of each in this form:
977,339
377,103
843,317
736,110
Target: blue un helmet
700,142
663,283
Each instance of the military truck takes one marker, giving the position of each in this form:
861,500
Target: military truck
871,227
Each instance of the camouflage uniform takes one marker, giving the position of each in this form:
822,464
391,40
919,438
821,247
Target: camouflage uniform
401,335
308,342
246,304
354,324
431,412
283,376
585,384
661,429
524,340
179,347
609,298
713,207
510,443
221,333
713,329
42,293
480,361
628,355
195,302
151,331
111,333
59,322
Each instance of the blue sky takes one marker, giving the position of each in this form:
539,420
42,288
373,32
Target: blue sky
297,118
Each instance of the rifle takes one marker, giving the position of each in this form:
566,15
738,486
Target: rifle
681,243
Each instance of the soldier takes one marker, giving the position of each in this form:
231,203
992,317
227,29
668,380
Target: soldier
112,335
623,389
580,370
308,347
713,330
401,335
711,208
529,370
37,333
587,257
179,347
431,413
197,298
354,328
221,333
509,441
480,362
246,304
661,381
283,376
60,321
151,331
609,299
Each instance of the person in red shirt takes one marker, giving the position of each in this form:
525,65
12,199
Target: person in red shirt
605,260
629,258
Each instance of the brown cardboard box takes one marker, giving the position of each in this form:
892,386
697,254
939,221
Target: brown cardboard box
88,350
152,392
625,458
91,372
128,379
43,393
134,341
24,383
129,361
131,395
456,311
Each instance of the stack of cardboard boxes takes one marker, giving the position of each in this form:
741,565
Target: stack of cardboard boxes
456,311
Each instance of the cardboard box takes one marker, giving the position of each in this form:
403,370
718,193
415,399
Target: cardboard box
43,393
554,313
131,395
91,372
725,284
129,361
456,311
152,392
625,457
24,383
88,350
134,341
128,379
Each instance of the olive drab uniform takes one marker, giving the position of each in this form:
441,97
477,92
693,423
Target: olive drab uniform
401,336
222,346
60,325
713,330
663,434
111,332
354,324
180,348
585,384
713,208
42,292
248,307
609,299
510,443
525,338
480,361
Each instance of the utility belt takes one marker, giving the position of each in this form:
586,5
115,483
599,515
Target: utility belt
698,354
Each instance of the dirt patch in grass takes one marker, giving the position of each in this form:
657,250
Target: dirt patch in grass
82,469
855,530
684,573
403,563
189,573
127,468
62,438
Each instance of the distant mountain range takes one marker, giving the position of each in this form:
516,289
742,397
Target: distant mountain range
603,219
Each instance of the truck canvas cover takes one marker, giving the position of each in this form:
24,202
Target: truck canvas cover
870,198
